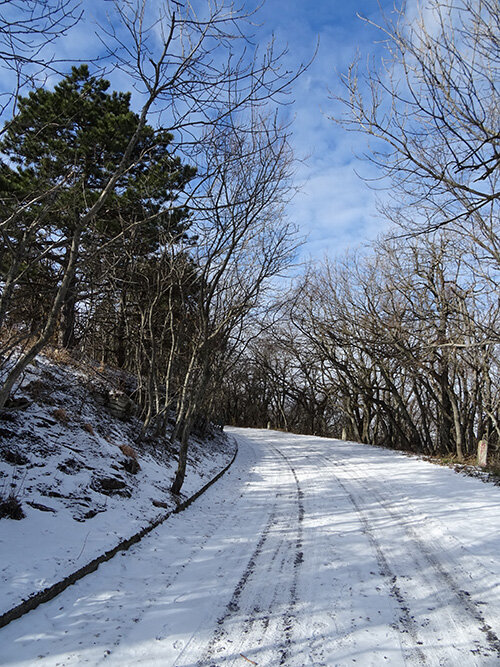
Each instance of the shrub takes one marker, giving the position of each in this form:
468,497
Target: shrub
59,355
10,508
37,389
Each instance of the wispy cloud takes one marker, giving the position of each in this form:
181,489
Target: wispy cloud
335,208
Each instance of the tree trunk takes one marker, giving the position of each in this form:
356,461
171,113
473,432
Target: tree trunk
26,358
180,474
68,319
458,428
121,354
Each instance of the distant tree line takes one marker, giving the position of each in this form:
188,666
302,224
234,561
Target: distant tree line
397,348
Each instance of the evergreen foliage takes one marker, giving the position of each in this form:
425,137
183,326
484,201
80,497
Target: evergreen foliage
67,143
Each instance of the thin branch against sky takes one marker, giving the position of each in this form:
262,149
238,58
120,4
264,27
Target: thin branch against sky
334,207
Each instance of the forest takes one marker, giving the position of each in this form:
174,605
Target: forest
148,229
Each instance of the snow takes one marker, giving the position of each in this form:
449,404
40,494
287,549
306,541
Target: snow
309,551
64,463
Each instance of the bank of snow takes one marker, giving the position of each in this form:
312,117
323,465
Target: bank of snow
66,460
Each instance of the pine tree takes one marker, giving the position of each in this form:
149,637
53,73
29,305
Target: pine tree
58,154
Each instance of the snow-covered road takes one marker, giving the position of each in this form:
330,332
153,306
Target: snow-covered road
308,552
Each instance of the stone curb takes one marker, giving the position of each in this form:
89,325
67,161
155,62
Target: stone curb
52,591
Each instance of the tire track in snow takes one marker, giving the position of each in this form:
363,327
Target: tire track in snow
256,627
125,624
290,615
261,616
220,637
245,601
407,624
465,610
212,525
449,583
233,606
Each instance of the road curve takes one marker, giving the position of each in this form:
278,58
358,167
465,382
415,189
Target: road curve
308,552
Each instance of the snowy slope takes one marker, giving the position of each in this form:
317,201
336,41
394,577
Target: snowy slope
308,551
60,457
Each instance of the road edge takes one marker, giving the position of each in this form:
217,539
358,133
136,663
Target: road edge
52,591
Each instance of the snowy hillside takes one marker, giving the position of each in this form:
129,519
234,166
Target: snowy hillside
80,475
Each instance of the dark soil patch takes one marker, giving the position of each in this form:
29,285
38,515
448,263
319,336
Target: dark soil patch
131,465
70,466
110,486
42,508
13,457
7,416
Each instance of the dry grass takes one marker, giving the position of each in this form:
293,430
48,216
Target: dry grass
89,428
493,468
10,508
61,415
129,451
58,355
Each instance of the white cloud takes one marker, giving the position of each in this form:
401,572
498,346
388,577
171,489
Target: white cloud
335,208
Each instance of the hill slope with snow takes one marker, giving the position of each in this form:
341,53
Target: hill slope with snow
80,475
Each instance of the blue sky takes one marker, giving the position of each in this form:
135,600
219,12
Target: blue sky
335,209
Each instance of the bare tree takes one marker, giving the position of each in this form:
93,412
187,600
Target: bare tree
404,347
27,29
432,108
244,241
